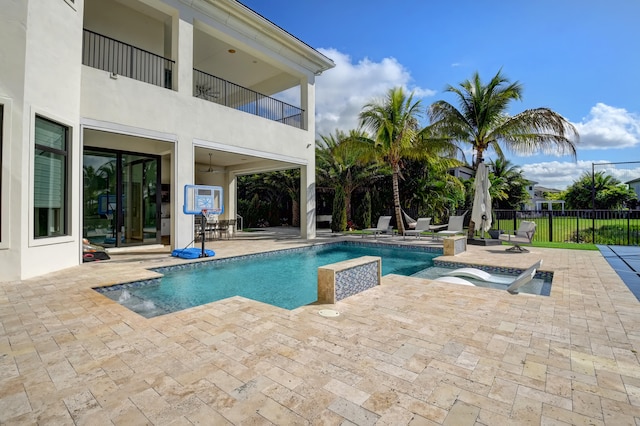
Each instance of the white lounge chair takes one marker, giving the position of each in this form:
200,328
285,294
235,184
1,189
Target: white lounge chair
514,285
422,225
454,227
381,228
524,235
454,280
481,275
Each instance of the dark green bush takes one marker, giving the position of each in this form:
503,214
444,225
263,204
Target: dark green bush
339,213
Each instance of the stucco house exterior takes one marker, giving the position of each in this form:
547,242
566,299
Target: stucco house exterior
635,185
108,108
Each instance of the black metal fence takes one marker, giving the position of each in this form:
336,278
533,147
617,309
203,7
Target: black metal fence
223,92
105,53
613,227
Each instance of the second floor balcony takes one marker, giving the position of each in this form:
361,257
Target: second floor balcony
220,91
117,57
108,54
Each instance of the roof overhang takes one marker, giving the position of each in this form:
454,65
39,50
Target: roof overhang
260,30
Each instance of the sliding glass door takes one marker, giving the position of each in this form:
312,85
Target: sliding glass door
121,198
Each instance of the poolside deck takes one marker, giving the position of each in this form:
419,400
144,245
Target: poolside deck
409,352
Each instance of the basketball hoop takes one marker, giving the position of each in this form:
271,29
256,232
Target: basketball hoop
210,216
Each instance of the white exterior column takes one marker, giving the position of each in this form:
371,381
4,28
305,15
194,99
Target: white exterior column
231,199
308,201
183,162
308,172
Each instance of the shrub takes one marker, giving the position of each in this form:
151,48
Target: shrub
339,213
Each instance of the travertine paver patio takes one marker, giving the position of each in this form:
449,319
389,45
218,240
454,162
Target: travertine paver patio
407,352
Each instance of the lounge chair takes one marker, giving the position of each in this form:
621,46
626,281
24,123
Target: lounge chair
524,235
481,275
454,280
454,227
514,284
422,225
381,228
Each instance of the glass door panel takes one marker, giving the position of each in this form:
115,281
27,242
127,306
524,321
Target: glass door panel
99,218
139,184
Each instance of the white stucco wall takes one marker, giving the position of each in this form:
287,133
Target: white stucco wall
122,23
12,27
48,38
41,73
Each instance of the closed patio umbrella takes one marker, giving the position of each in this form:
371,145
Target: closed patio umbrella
481,211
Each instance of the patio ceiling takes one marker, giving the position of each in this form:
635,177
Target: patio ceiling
240,163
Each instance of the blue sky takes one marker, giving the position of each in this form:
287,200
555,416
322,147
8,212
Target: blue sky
577,57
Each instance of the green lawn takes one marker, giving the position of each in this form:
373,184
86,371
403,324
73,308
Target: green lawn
546,244
572,229
572,246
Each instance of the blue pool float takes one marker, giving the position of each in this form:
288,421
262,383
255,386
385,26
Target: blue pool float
191,253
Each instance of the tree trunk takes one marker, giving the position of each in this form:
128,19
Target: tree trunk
295,213
396,200
348,189
479,158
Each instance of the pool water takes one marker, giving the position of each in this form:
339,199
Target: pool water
537,286
287,279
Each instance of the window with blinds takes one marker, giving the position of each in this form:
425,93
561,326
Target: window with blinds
50,195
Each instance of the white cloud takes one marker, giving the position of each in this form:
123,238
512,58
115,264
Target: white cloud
342,91
560,174
607,127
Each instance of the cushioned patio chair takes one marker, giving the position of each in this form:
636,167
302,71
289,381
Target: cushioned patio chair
524,235
422,225
381,228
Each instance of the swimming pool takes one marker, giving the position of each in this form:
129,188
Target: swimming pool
286,278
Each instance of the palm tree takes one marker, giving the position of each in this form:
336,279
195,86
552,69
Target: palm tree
394,124
599,191
508,185
339,166
277,189
482,121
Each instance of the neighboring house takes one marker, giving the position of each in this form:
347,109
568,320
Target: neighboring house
462,172
108,108
530,187
635,185
537,200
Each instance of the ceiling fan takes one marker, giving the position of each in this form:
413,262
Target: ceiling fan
207,93
211,168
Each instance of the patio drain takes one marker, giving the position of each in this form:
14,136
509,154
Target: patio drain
329,313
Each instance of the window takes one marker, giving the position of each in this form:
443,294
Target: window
51,167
